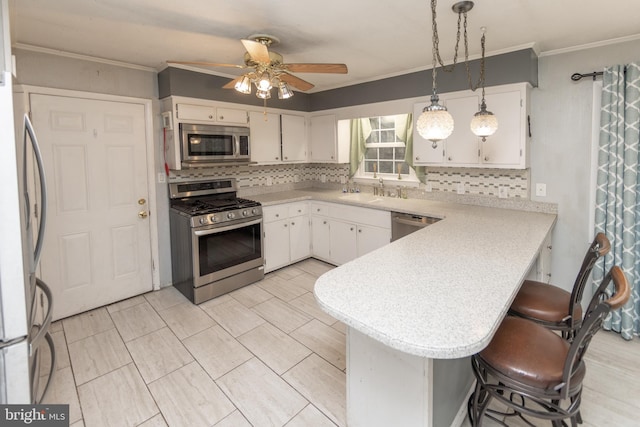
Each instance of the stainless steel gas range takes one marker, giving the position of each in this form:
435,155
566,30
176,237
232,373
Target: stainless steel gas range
216,239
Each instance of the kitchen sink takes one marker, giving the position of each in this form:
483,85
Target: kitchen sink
361,197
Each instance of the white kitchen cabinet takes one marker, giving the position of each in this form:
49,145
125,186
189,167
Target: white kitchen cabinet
323,139
507,148
320,238
371,238
294,138
352,231
287,236
210,113
277,138
265,137
509,145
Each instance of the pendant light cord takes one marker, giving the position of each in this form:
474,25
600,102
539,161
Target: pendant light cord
462,25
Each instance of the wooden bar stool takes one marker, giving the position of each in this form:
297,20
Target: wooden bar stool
534,371
554,307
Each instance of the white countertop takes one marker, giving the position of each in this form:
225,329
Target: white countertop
440,292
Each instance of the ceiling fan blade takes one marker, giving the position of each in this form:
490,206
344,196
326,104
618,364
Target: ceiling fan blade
257,51
206,64
296,82
317,68
232,83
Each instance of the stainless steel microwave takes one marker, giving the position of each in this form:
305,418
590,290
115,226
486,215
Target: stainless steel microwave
202,144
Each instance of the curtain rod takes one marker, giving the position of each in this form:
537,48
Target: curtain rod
577,76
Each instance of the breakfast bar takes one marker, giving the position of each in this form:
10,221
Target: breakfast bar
416,309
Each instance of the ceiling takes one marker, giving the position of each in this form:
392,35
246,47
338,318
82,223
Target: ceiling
375,39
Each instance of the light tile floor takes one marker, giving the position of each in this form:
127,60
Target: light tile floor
264,355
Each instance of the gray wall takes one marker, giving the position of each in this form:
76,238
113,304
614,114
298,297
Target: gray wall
561,147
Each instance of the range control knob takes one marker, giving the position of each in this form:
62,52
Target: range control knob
212,218
245,213
254,211
231,215
202,220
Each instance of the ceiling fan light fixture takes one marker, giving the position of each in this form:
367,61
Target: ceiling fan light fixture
244,85
264,82
263,94
284,91
484,123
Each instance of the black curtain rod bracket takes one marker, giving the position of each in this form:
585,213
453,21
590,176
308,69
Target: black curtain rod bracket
577,76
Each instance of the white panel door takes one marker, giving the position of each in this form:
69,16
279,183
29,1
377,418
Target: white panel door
97,242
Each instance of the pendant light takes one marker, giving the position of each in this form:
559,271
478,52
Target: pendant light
484,123
435,123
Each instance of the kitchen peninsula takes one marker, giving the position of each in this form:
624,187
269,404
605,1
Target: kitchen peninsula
417,308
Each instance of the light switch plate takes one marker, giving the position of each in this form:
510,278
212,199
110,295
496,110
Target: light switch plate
503,192
161,177
461,188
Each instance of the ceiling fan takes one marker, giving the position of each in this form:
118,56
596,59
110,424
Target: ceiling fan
269,69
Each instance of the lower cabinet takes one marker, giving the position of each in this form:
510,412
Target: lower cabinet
340,233
287,234
331,232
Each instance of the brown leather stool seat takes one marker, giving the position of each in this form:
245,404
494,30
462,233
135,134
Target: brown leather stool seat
534,371
553,307
530,354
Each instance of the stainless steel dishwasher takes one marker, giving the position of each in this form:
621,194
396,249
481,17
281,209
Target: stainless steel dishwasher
403,224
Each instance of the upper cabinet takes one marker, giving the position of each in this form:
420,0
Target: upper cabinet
293,130
329,139
277,138
210,114
507,148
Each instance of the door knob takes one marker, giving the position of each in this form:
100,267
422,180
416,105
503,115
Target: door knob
142,201
143,214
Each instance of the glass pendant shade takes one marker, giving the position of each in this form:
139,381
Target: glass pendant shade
284,91
263,94
244,85
264,83
484,123
435,123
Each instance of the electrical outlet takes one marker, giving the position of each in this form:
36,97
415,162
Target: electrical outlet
269,181
461,188
343,180
296,178
161,177
503,192
428,187
541,190
323,178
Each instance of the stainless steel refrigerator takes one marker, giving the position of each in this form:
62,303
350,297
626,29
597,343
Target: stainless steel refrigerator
25,301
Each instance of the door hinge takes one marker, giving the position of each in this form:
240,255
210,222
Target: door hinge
35,210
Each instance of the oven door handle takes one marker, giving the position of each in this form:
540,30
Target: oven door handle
227,228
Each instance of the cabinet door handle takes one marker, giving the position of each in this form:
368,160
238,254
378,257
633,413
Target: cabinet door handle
210,116
286,158
277,215
486,158
318,209
221,117
277,158
293,223
359,230
351,229
286,225
324,222
449,158
417,157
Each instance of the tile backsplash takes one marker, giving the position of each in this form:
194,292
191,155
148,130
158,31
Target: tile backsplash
253,179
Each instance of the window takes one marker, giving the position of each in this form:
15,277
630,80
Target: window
385,146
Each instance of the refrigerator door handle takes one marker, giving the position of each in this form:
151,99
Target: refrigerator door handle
37,400
28,127
44,328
